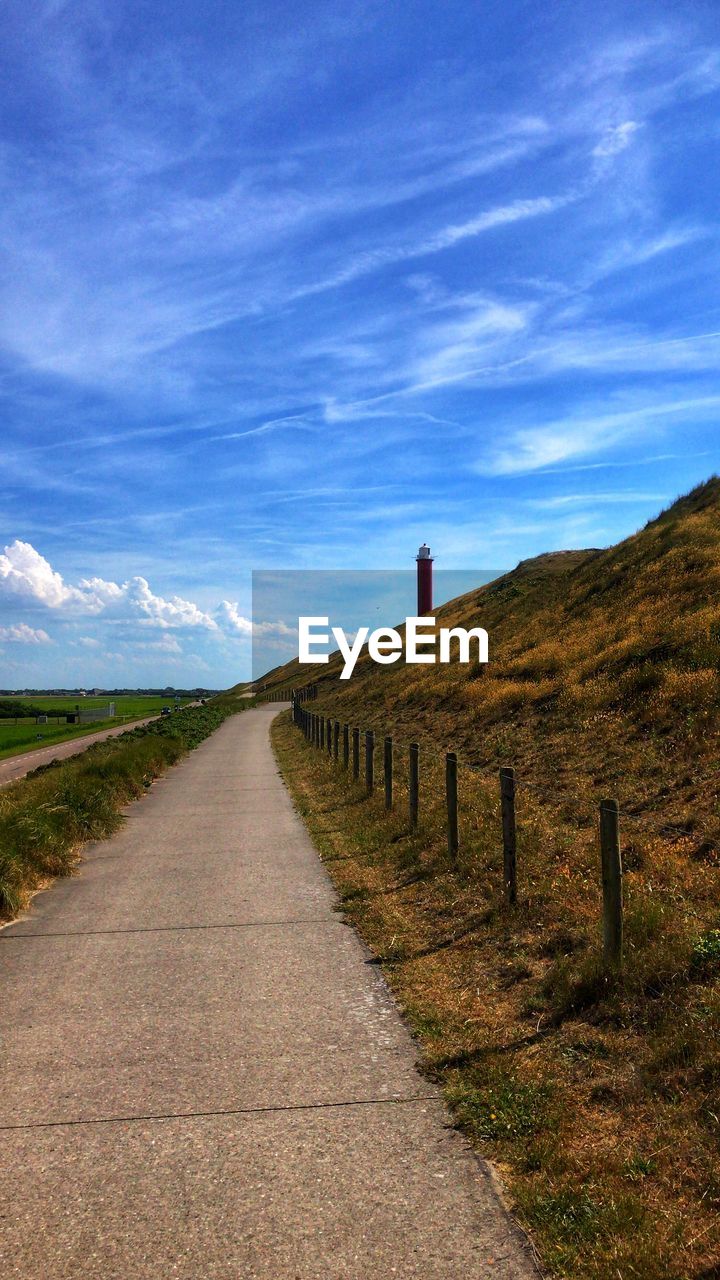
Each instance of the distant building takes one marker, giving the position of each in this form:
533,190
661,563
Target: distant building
91,714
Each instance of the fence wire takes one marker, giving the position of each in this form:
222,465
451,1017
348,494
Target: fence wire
398,782
561,797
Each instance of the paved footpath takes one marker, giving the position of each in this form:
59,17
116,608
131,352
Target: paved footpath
203,1077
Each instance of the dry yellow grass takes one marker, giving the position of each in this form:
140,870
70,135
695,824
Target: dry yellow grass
599,1100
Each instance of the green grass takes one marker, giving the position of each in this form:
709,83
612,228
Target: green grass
46,817
27,735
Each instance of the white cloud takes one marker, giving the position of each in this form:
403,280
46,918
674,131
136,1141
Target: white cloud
166,644
532,448
448,236
21,633
274,629
562,501
633,251
616,139
175,612
27,575
232,621
98,594
456,348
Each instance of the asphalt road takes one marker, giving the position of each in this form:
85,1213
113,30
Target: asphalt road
14,767
202,1076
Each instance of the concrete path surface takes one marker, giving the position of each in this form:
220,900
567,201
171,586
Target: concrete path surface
14,767
202,1076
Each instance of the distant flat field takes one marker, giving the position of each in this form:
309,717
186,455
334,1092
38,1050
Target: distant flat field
26,735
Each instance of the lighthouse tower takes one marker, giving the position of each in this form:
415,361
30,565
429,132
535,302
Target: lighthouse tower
424,582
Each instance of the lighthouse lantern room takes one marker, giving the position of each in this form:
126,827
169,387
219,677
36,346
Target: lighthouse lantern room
424,582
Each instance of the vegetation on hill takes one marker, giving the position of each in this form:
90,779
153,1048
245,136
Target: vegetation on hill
597,1096
604,670
47,816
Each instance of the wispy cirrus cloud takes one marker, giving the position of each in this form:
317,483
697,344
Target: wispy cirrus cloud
303,295
447,237
616,138
565,501
534,448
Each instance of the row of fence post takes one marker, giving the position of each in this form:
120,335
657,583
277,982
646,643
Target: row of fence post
306,694
324,733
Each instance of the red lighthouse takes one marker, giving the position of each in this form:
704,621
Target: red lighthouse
424,582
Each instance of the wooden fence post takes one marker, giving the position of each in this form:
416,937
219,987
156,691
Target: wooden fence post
356,754
336,739
611,884
346,745
388,772
509,835
414,783
322,733
369,760
451,795
329,736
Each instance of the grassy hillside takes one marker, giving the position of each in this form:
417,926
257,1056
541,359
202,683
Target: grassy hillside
604,672
597,1096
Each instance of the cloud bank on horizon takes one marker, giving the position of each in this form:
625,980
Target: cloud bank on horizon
146,627
307,290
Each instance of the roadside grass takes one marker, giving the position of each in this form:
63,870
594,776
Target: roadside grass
26,735
596,1098
47,816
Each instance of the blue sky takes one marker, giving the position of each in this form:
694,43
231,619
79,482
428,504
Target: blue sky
303,287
